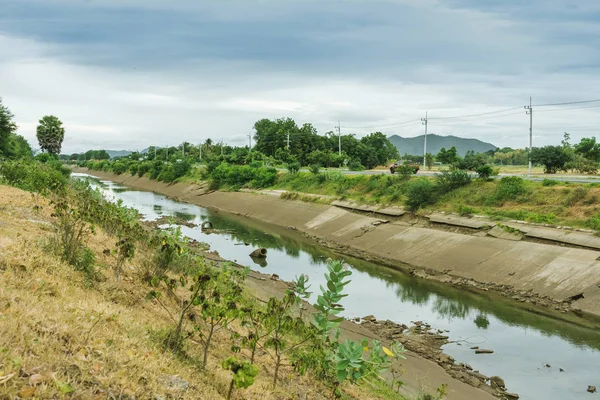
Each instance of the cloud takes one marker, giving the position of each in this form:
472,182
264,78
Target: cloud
127,74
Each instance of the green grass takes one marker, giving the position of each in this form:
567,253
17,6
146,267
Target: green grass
559,203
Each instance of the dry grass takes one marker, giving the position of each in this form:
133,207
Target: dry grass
62,339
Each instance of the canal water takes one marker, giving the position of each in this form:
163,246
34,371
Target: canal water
539,357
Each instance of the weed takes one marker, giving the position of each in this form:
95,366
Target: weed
463,210
550,182
450,180
419,193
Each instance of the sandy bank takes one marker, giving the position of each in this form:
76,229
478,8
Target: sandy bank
558,277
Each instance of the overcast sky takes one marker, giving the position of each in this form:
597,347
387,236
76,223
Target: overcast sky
126,74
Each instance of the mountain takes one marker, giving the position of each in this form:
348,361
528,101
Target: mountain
414,145
118,153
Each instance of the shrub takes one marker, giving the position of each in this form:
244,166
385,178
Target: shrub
509,188
293,167
32,176
549,182
578,195
594,222
419,193
120,167
450,180
463,210
237,176
355,165
485,172
314,168
143,168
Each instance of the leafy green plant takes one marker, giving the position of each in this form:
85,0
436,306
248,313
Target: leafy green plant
486,171
125,249
286,332
449,180
300,289
243,374
327,305
293,167
549,182
464,210
175,339
170,248
509,188
314,168
419,193
218,305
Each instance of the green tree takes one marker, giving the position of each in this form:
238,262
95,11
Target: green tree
553,158
588,148
50,134
378,150
429,161
18,147
7,128
449,156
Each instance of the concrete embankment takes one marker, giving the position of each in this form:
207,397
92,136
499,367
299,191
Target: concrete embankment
545,274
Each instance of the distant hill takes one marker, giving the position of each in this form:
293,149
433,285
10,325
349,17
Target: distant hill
414,145
118,153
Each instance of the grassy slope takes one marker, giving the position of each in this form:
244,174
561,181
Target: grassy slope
60,338
564,204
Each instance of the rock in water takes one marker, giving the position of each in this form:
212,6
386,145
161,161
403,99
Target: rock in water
483,351
370,318
591,389
497,383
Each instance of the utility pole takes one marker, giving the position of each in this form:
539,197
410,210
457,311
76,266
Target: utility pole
200,150
339,129
288,140
249,141
183,149
424,122
529,110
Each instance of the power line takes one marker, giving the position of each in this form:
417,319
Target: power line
384,126
495,116
477,115
567,103
569,108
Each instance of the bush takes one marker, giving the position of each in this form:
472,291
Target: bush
594,222
314,168
549,182
293,167
485,172
578,195
450,180
143,168
237,176
509,188
463,210
33,176
120,167
355,165
419,193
